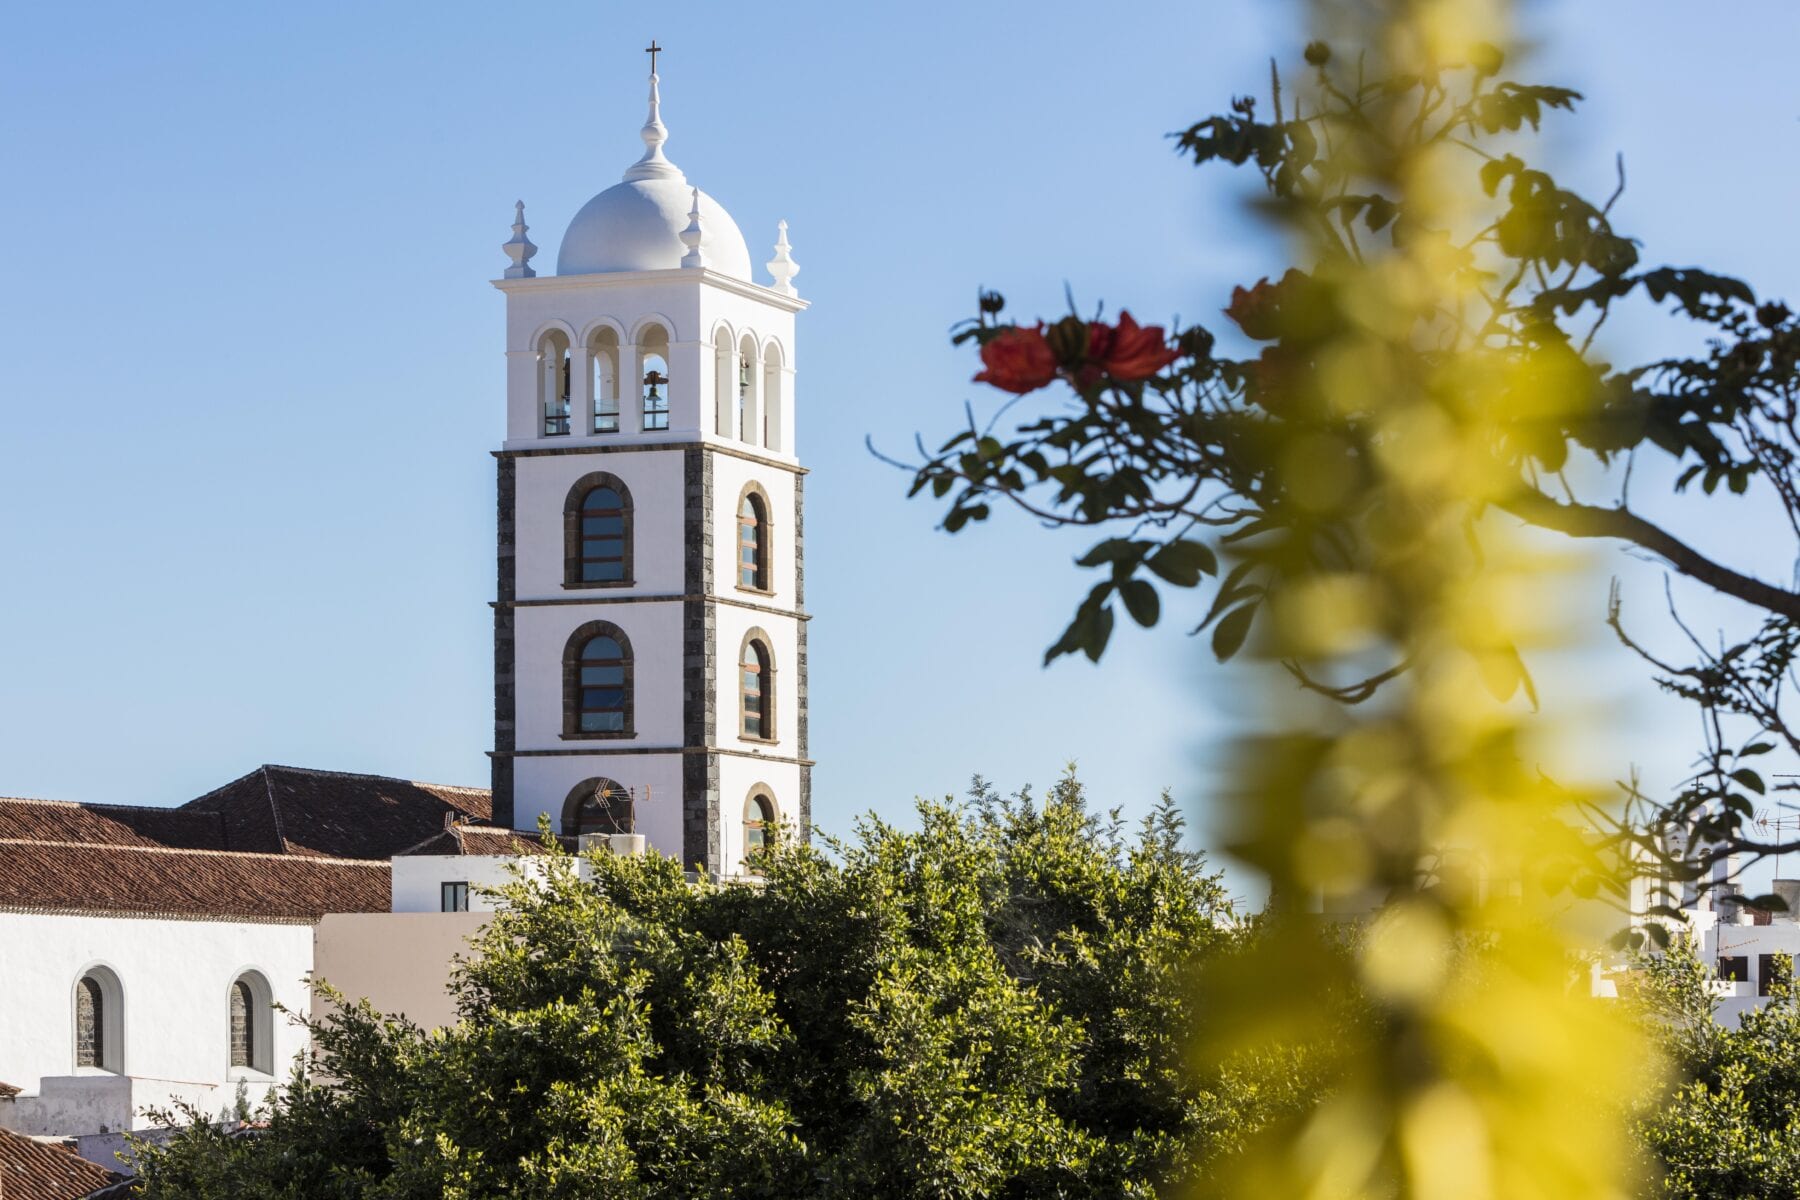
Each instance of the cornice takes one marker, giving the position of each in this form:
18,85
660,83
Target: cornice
610,280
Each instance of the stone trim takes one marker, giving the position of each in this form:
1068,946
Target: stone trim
685,446
689,751
505,696
804,813
571,661
701,836
664,598
572,532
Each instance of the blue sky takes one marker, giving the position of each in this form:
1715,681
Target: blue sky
250,364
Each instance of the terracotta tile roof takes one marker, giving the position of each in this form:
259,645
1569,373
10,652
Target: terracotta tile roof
479,839
33,1170
110,824
7,1089
335,814
147,880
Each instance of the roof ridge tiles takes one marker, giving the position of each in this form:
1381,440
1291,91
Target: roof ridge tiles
282,856
448,787
155,808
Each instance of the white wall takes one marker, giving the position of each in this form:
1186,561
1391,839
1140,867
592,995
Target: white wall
540,635
176,978
736,777
690,304
655,481
419,878
541,784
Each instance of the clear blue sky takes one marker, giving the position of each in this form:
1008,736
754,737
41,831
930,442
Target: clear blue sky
250,365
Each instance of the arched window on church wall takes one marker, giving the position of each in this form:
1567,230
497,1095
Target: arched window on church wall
251,1016
756,695
603,361
597,533
760,820
653,354
554,382
749,403
98,1004
772,398
597,683
753,540
598,806
724,385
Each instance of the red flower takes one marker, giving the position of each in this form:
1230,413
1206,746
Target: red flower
1129,353
1018,360
1257,309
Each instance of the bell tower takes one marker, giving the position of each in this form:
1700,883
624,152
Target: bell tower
650,624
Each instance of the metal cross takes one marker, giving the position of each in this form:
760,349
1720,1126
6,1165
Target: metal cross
653,51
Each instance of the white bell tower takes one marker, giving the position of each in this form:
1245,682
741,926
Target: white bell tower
650,626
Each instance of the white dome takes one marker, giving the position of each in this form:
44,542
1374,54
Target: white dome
636,226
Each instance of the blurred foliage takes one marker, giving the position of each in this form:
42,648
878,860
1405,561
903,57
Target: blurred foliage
994,1005
1248,479
1351,500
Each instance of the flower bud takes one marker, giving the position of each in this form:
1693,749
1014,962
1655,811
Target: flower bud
1318,53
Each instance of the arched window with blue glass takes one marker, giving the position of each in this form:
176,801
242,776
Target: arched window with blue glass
597,683
597,533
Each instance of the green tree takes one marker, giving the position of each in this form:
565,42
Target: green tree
994,1005
1729,1129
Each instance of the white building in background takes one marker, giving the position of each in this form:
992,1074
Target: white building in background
650,632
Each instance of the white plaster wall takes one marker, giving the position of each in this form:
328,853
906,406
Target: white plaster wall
690,304
730,475
176,978
732,624
542,784
419,878
539,638
655,479
737,776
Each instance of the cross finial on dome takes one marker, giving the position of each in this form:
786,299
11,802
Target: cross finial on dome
653,165
519,249
690,237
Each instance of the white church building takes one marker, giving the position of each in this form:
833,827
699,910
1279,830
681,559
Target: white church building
649,690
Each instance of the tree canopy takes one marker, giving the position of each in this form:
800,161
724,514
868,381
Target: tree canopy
996,1004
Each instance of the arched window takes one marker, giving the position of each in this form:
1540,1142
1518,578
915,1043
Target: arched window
749,420
90,1023
243,1033
759,821
554,382
655,358
603,359
753,541
99,1025
758,690
597,533
598,806
597,683
251,1008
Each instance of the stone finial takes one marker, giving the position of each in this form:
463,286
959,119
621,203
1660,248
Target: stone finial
782,266
519,249
690,237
